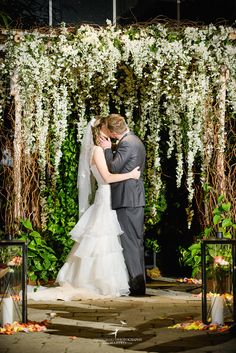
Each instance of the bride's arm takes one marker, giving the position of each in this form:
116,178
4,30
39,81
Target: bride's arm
100,161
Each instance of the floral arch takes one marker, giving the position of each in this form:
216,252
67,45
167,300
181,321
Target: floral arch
180,81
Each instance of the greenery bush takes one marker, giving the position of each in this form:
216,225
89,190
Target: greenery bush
42,260
221,222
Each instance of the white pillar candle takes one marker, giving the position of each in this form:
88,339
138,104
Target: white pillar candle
7,311
217,310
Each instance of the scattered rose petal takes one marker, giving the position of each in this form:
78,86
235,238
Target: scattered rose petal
189,280
200,326
31,326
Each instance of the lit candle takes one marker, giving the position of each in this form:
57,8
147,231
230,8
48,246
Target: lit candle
217,310
7,311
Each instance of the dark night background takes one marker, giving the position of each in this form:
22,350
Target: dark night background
172,231
29,13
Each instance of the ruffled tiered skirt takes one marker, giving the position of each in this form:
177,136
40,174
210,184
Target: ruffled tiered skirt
95,266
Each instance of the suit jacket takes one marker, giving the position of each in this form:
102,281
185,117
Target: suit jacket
130,153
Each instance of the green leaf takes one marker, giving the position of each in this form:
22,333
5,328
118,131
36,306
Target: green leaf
32,276
207,187
227,235
38,241
195,251
26,223
32,246
217,211
207,231
35,234
212,252
23,237
226,206
195,246
47,264
5,19
38,265
216,219
196,271
227,222
220,199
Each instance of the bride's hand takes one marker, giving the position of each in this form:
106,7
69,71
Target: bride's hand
135,173
104,142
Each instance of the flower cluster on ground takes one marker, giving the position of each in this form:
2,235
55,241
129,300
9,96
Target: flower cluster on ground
30,326
198,325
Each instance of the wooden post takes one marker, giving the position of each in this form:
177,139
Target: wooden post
178,10
16,152
114,12
50,13
220,148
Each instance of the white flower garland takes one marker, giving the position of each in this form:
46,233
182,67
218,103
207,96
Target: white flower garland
165,75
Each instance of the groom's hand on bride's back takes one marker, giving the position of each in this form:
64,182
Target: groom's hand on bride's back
105,142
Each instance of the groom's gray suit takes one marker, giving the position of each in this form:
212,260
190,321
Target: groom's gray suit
128,199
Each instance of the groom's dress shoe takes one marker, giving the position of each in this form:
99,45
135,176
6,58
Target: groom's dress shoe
137,293
137,286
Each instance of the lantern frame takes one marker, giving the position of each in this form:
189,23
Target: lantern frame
24,251
221,241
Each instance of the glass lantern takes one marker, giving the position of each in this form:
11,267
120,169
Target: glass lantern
218,260
13,281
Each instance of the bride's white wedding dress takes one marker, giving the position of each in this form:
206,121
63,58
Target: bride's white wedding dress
95,266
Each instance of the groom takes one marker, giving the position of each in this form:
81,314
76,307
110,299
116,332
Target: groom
128,197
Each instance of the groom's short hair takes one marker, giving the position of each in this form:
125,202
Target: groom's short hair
116,123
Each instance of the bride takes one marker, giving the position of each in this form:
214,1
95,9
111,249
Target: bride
95,265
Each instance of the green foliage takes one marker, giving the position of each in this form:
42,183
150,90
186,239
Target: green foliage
63,199
221,222
160,205
222,217
192,257
4,19
153,218
152,244
42,261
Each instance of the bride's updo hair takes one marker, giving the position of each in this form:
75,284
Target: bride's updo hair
97,125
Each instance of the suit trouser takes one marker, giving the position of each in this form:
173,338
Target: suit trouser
131,220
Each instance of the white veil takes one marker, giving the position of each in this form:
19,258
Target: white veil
84,177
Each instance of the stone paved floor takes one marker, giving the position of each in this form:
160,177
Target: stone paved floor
141,324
